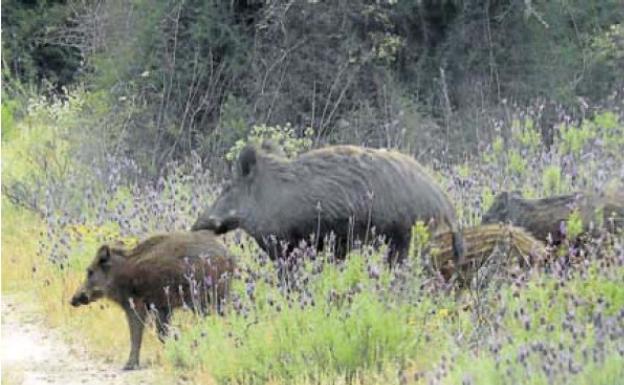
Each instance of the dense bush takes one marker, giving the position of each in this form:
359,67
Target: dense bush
427,76
31,53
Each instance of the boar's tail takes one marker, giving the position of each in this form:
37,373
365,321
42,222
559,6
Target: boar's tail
458,247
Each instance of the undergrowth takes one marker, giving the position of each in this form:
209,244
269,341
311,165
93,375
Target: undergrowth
352,322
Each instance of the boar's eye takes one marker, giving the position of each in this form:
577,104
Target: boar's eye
89,273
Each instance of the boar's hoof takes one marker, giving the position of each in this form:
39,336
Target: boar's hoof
80,299
131,365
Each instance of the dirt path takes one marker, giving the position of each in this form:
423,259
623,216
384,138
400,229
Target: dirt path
33,354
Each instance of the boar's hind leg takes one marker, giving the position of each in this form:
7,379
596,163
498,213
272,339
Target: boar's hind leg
398,248
136,318
458,248
162,323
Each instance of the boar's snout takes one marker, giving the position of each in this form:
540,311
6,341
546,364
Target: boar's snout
80,298
206,223
216,224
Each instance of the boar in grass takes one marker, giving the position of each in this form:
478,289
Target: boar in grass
612,201
344,191
190,269
546,218
512,246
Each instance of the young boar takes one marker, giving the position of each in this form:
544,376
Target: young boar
160,274
544,217
516,248
344,190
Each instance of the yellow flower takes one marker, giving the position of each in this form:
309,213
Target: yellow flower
80,229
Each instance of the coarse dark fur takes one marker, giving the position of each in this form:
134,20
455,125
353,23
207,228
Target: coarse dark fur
158,275
543,217
347,190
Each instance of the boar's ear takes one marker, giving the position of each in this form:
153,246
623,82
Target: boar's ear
104,256
270,147
247,160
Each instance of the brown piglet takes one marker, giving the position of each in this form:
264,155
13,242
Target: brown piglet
164,272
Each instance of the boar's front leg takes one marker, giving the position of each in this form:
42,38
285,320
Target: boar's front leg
162,323
136,319
399,248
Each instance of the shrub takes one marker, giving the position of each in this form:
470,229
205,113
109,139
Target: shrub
284,137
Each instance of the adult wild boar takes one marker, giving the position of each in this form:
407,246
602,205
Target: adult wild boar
158,275
346,190
543,217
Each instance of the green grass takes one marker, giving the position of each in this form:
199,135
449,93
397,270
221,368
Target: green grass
300,341
362,328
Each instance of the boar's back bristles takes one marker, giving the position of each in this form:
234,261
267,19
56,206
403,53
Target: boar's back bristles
515,245
177,244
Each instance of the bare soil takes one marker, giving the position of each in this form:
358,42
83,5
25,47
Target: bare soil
34,354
